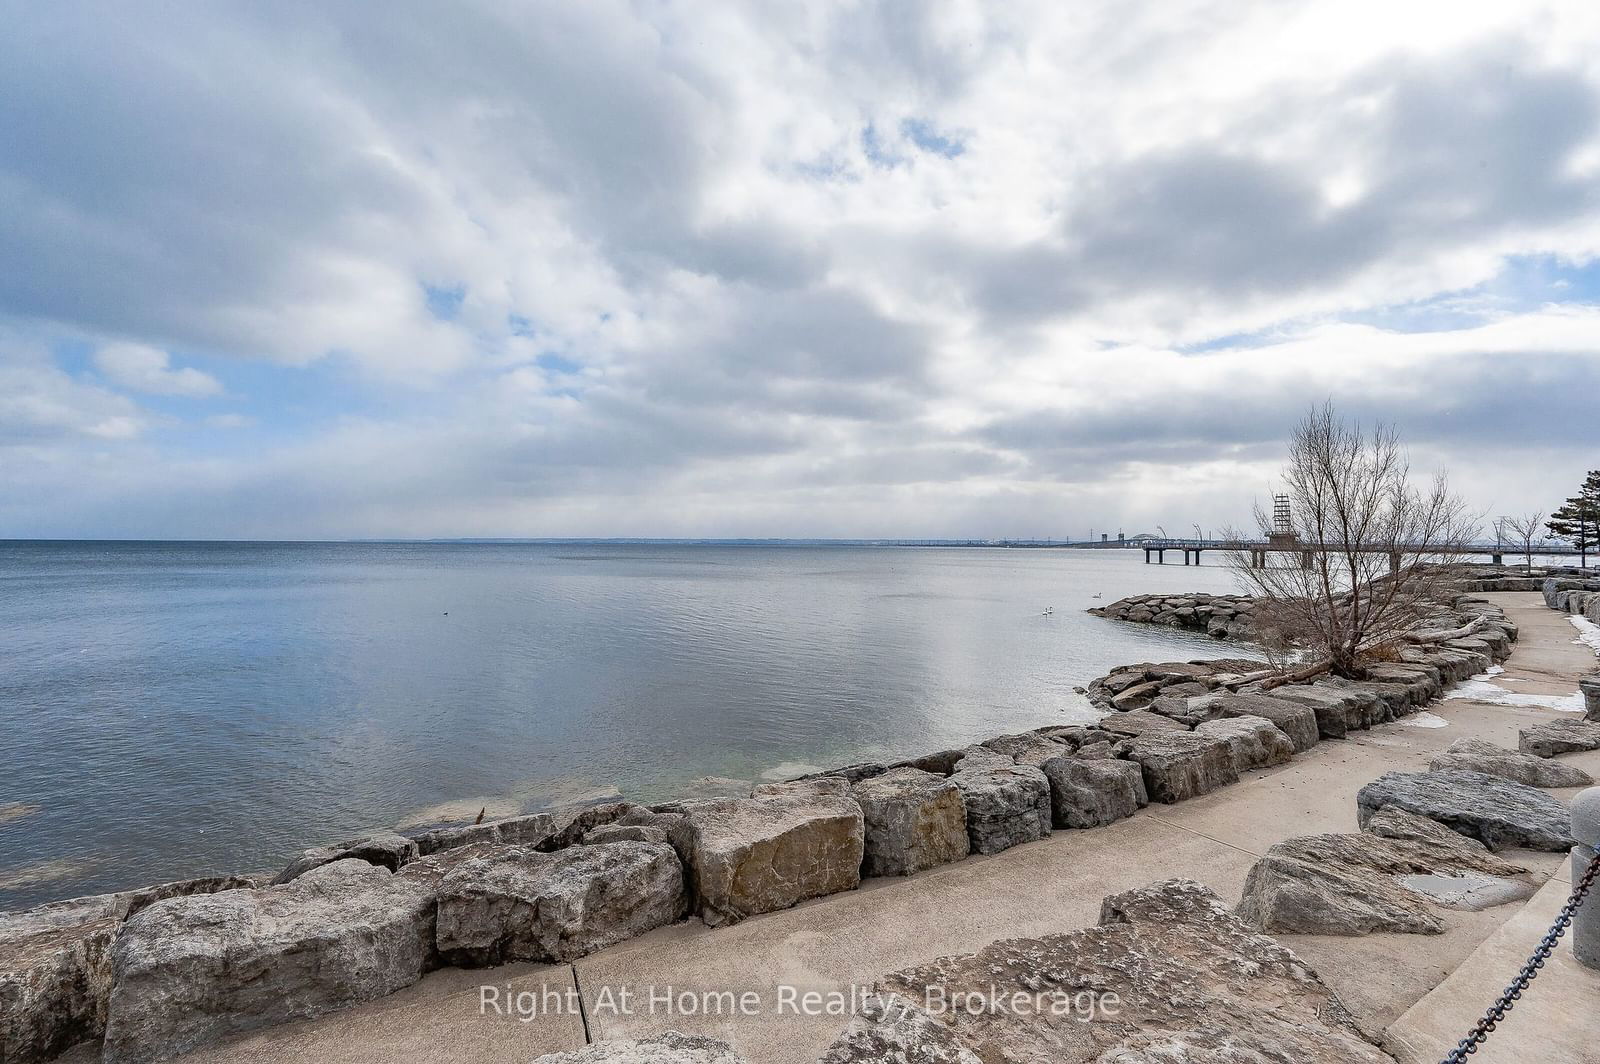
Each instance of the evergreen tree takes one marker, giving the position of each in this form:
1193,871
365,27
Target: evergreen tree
1579,520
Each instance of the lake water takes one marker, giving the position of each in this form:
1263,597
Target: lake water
177,709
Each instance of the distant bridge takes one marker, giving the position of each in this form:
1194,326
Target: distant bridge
1289,544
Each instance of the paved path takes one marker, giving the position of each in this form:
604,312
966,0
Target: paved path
1056,884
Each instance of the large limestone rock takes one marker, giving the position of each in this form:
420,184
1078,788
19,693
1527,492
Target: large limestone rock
1254,741
1137,722
1029,746
757,855
913,820
1589,687
1354,884
1498,812
1093,792
1552,737
555,829
1339,710
1475,755
386,849
1191,985
1178,767
1007,804
1295,719
892,1030
55,965
1392,822
524,905
670,1048
54,982
188,971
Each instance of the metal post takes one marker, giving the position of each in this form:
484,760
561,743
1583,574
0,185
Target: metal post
1586,833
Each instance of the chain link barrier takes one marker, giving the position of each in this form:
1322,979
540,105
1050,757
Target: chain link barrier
1503,1004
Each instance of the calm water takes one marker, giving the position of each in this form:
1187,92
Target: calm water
169,710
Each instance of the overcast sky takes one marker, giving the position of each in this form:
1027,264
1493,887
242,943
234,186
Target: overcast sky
708,269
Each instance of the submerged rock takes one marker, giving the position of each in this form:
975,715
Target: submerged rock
188,971
1475,755
517,903
913,820
1496,811
1187,980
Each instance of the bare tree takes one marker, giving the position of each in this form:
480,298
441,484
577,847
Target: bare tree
1349,579
1523,530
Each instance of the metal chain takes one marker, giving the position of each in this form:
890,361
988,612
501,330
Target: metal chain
1503,1004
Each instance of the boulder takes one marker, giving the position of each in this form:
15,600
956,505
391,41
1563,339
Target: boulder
54,983
756,855
1188,982
626,833
1552,737
1254,741
518,903
913,820
1141,722
1498,812
1177,767
1392,822
1422,682
669,1048
1295,719
1007,804
1031,745
1475,755
1338,710
1353,885
1137,695
849,773
554,829
55,965
1393,699
1589,687
385,849
1554,586
889,1029
187,971
1090,792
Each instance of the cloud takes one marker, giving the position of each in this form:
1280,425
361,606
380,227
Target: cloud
894,268
141,368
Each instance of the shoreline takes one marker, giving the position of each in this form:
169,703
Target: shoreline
622,821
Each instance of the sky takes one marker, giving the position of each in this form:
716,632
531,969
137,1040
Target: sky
672,268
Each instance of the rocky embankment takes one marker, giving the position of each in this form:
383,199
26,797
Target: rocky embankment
158,972
1578,595
1219,616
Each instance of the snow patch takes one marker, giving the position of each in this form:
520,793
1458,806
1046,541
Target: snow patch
1424,720
1479,689
1494,670
1588,632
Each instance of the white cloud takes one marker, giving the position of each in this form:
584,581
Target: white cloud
677,287
142,368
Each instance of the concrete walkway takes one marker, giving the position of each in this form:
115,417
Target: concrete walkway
835,943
